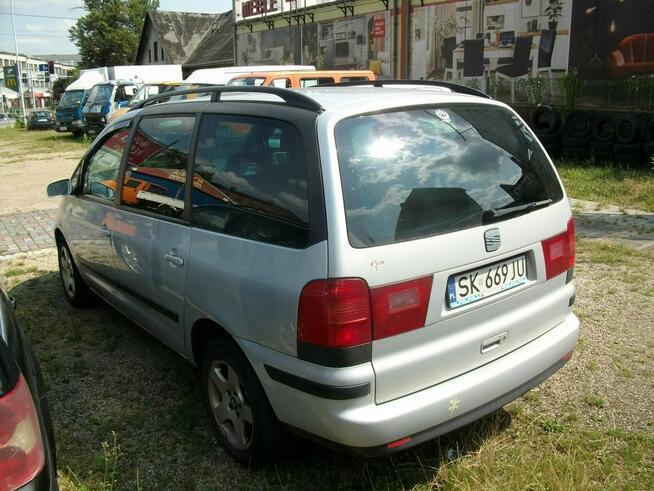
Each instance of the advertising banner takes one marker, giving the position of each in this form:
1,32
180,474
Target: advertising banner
255,9
355,43
12,80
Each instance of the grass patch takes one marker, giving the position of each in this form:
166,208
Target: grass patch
17,142
628,188
612,254
594,400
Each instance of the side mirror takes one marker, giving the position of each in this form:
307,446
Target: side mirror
60,188
122,104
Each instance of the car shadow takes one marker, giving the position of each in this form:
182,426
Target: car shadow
121,399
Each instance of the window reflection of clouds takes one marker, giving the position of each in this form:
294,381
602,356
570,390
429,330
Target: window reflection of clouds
383,157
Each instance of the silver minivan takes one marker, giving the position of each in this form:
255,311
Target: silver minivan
367,266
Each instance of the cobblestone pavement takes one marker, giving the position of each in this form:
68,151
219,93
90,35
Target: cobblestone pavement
27,231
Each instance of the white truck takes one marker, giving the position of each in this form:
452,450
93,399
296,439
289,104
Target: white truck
118,87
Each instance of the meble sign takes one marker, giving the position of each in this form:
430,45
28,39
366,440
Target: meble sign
250,9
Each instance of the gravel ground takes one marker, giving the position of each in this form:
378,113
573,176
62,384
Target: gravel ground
23,181
613,366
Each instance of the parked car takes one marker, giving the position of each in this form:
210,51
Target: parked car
296,80
367,266
40,120
27,446
6,121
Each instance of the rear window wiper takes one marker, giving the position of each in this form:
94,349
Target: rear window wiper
490,215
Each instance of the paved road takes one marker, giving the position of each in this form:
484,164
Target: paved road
27,231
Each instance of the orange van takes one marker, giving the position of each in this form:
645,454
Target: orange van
296,80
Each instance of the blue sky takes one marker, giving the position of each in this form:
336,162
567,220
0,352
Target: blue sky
43,35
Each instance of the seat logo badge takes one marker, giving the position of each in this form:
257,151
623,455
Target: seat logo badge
454,405
377,264
492,239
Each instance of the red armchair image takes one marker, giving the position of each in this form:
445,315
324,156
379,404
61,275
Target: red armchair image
634,56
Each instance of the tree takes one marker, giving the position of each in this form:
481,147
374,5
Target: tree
109,32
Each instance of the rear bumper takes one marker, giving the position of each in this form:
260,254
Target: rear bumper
362,426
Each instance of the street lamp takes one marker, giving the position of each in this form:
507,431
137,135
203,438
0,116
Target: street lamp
18,75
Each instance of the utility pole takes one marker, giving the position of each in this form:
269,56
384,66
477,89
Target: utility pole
22,99
29,80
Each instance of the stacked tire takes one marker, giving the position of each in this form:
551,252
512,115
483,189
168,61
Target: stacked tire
603,137
648,146
545,121
577,128
626,139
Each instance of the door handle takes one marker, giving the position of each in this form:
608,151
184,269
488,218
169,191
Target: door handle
105,231
173,259
494,342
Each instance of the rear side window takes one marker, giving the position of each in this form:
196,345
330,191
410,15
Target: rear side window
417,173
250,180
101,170
155,179
312,82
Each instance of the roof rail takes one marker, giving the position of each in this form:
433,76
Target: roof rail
290,97
461,89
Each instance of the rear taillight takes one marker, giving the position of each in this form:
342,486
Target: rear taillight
559,252
335,313
21,448
345,313
401,307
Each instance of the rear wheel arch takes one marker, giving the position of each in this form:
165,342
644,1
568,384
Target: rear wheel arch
203,331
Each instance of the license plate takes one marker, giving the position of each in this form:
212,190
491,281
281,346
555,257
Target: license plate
62,128
484,282
43,120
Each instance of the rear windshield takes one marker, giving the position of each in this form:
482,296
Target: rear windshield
416,173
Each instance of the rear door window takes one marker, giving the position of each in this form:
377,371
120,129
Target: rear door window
155,178
250,180
416,173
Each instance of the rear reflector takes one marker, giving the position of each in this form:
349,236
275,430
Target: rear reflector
559,251
400,307
397,443
335,313
21,449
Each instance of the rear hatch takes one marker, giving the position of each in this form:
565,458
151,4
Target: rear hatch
447,208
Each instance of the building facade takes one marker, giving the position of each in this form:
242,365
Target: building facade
193,40
35,84
426,39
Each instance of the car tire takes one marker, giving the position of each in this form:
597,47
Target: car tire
578,124
545,120
238,408
575,153
632,149
77,133
649,131
572,142
548,139
648,148
628,129
77,293
554,151
601,147
604,128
